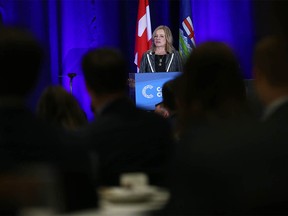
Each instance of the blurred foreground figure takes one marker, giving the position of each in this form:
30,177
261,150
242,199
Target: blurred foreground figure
37,169
126,139
239,167
212,113
61,109
271,83
211,88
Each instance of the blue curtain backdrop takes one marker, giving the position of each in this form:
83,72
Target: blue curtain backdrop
68,28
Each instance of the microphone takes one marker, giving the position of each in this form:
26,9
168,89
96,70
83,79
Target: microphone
71,75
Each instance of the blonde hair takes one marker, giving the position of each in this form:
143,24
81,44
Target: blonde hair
169,39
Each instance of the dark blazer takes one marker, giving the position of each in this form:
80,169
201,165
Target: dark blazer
232,168
273,150
173,62
128,139
210,171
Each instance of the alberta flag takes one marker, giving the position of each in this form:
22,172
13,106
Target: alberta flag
143,31
186,29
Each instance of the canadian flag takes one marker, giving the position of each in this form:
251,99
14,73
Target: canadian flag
143,31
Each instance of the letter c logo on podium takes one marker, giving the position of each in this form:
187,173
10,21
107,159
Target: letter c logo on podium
144,91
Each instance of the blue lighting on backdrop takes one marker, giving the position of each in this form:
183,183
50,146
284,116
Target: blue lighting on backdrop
229,21
68,28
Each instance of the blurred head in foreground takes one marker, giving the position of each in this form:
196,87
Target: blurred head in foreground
59,107
21,57
105,71
212,85
271,68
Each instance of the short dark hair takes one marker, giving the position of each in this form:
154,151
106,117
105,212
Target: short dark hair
271,57
21,56
105,70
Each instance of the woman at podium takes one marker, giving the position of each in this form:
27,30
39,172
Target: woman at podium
162,56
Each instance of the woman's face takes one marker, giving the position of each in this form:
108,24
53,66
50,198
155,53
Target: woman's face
160,38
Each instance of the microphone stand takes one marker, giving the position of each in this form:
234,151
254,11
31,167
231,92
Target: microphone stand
71,76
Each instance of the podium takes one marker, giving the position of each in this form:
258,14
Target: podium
147,88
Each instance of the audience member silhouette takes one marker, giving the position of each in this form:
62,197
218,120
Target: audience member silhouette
206,167
211,86
270,73
239,168
60,108
27,142
126,138
271,83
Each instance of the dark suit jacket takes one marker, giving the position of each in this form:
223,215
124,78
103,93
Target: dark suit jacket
232,168
128,139
273,148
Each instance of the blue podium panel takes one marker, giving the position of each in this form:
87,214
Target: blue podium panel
148,88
